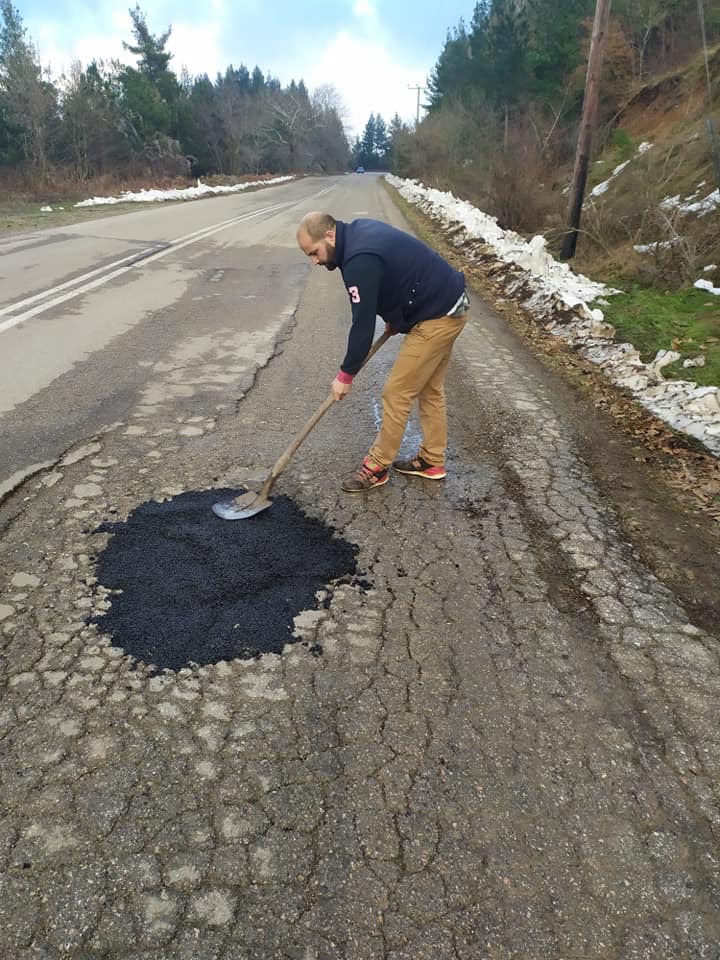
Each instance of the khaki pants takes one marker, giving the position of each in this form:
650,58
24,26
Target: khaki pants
418,374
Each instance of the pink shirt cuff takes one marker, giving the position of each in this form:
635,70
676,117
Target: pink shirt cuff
344,377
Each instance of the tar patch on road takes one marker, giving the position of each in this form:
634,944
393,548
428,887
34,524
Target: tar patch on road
197,589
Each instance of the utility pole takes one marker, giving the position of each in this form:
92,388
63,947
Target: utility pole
419,89
712,131
587,126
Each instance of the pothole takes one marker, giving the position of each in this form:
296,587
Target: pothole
197,589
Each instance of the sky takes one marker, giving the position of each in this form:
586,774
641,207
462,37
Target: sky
371,51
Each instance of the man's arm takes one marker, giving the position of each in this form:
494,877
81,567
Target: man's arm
362,275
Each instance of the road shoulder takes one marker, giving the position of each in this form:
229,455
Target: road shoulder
664,487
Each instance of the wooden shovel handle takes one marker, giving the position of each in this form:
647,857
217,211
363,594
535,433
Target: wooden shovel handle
288,454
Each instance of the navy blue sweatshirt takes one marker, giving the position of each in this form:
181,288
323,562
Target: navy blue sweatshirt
390,274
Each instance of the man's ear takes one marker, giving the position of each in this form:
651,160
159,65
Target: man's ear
330,235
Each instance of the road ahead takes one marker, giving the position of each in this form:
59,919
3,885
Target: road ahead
499,740
86,310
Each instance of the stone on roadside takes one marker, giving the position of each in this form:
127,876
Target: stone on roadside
25,580
84,490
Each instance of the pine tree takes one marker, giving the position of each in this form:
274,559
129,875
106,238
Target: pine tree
151,92
154,59
382,142
367,153
554,36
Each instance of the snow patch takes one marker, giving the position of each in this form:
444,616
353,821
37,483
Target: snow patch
690,205
187,193
560,299
706,285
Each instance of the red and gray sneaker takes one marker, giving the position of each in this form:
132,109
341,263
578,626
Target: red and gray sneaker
366,478
417,467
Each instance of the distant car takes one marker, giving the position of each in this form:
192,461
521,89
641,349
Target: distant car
359,169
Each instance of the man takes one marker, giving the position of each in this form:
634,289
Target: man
390,274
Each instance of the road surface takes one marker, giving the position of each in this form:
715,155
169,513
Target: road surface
499,740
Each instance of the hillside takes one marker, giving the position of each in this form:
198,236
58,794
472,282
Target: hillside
671,115
651,222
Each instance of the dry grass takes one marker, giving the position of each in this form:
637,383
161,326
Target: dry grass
20,207
631,212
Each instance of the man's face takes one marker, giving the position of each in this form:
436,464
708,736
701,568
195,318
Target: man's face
321,252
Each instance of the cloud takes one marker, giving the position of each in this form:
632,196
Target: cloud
363,8
59,44
368,78
198,47
363,61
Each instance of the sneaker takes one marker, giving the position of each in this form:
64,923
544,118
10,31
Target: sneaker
366,478
418,467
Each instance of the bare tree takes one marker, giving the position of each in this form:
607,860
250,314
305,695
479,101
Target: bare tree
292,116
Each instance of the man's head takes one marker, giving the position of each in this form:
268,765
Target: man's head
316,238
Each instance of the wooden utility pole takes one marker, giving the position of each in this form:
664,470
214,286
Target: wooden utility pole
587,126
419,89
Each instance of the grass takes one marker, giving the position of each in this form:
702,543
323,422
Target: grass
686,320
20,216
20,211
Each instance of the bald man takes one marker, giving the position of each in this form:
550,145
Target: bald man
390,274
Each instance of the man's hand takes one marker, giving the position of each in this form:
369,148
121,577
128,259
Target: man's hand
389,329
340,389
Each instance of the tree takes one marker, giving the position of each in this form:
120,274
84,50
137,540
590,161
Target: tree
382,141
200,126
508,49
257,81
554,43
292,118
451,73
329,149
154,59
28,104
367,149
151,91
641,19
398,136
94,134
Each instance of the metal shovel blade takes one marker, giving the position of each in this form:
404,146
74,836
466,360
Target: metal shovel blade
248,504
241,507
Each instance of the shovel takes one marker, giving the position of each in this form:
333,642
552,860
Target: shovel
250,503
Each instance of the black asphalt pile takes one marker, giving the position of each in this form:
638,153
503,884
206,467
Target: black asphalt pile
197,589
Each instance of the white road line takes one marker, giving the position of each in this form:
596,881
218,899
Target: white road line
84,284
12,307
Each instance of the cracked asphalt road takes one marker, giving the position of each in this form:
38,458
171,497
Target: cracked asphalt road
508,748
